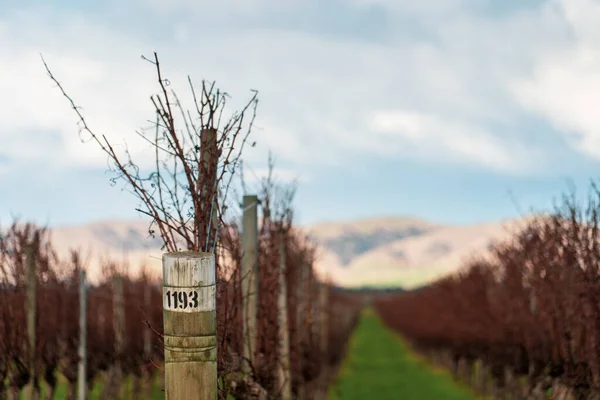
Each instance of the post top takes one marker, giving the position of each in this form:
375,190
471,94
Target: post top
188,254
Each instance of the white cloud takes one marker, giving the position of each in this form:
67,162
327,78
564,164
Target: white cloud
110,93
279,175
4,170
564,86
323,99
428,136
428,8
232,7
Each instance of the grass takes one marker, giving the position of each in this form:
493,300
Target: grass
126,389
380,366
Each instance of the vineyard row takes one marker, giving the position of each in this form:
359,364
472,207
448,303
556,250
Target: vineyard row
524,321
124,321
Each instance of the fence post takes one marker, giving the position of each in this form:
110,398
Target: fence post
119,327
147,375
82,350
32,391
285,382
210,161
324,311
147,331
324,321
301,309
249,278
190,322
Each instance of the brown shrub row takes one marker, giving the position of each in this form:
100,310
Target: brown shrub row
532,309
57,325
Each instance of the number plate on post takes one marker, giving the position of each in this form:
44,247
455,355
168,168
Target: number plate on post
189,299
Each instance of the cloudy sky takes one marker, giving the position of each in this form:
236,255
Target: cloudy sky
456,111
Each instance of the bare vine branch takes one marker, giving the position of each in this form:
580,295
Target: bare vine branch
193,165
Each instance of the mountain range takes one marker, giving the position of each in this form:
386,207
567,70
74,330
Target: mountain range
390,251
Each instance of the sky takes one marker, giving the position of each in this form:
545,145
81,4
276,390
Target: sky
454,111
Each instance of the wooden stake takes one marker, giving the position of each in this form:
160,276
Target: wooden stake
284,375
249,278
324,317
190,322
82,350
147,341
32,390
301,310
119,327
210,160
147,331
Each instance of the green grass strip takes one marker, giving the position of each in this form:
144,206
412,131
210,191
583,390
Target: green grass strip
126,389
380,366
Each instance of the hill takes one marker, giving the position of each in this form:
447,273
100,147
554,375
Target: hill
401,251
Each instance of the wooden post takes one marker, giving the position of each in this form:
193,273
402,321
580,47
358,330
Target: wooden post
324,334
249,278
102,319
32,390
324,317
147,332
532,302
190,326
119,327
147,375
284,375
82,350
301,309
210,159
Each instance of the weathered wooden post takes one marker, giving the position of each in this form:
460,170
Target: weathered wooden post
32,390
190,325
147,341
82,349
284,375
301,310
249,278
147,331
324,316
210,162
532,302
114,379
324,334
119,327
